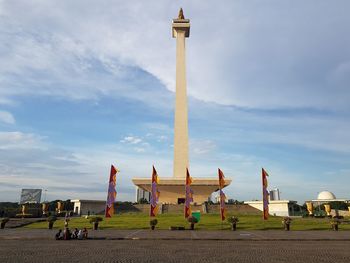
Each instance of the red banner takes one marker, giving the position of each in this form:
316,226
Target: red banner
112,193
265,195
154,194
188,195
222,195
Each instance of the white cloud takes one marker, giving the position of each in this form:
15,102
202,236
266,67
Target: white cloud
83,172
200,147
7,117
162,138
6,101
240,53
131,140
19,140
264,56
140,150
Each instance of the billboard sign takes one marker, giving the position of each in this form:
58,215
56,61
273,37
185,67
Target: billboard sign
30,196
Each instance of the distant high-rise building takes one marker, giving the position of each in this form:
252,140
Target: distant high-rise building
275,194
142,194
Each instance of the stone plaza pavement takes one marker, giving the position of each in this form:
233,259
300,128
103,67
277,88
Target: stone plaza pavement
24,245
146,234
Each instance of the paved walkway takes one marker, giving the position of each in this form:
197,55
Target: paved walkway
25,234
192,251
38,245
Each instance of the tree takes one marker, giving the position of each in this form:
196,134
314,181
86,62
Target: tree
143,201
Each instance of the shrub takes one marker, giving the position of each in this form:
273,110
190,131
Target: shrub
192,220
95,219
153,222
51,219
287,220
232,220
334,221
143,201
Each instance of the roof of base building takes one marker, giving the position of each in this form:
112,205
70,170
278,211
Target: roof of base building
85,200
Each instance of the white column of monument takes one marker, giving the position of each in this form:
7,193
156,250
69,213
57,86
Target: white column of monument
181,30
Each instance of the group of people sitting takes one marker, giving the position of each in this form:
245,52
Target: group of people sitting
66,234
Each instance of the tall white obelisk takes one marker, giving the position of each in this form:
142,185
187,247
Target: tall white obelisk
180,30
172,188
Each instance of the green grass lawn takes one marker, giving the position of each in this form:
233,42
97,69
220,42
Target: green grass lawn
207,222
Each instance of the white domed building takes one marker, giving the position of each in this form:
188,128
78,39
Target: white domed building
326,196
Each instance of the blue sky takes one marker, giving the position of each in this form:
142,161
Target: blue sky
86,84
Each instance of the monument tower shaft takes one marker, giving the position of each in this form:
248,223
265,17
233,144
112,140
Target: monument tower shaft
181,30
172,189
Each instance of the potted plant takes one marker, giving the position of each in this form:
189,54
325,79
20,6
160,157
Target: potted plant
335,223
233,221
153,223
286,223
4,221
51,220
95,220
192,220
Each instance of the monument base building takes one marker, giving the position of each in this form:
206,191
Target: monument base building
88,207
172,190
276,207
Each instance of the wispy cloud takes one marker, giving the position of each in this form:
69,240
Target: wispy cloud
272,92
19,140
286,68
200,147
7,117
131,140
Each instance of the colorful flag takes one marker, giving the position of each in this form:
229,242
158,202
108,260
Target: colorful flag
222,195
112,193
188,194
154,193
265,195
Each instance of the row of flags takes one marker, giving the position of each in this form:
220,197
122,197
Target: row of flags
111,195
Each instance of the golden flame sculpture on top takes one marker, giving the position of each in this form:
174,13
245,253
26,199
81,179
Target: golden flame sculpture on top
181,14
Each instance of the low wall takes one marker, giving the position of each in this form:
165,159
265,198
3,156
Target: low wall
177,209
235,209
340,212
174,209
